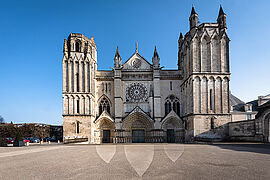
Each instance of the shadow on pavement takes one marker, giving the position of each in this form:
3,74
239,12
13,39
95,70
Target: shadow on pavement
247,147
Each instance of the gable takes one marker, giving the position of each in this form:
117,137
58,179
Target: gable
137,62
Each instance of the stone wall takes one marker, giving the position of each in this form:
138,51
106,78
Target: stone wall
244,131
207,127
70,130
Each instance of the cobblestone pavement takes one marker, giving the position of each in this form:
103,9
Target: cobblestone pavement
136,161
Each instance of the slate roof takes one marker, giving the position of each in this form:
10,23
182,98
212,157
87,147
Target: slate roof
238,105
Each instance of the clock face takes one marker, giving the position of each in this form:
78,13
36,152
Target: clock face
136,92
136,63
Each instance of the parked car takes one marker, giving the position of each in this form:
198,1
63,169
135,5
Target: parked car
26,140
9,140
34,140
52,139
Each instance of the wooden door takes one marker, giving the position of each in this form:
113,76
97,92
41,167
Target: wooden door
106,136
170,136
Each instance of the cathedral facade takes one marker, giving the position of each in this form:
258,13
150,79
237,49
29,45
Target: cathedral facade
139,101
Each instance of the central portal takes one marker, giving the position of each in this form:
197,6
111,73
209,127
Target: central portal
170,136
138,136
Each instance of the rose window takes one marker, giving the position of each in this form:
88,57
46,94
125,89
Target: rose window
136,92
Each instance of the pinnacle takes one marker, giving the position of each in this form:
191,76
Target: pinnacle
221,12
193,11
155,52
117,54
181,36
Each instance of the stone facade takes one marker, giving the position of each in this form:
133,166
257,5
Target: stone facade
203,60
138,101
79,86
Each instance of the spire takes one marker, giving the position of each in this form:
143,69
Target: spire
155,59
155,53
117,59
136,47
193,11
221,20
193,19
117,54
181,36
221,12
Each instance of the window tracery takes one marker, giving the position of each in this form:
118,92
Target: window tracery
104,105
172,103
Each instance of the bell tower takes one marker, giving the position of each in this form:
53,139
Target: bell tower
203,60
79,70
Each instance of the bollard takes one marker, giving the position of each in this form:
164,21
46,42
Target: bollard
58,141
41,142
27,143
49,142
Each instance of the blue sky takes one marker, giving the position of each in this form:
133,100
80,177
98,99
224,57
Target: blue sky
32,35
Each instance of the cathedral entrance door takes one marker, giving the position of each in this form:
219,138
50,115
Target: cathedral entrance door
170,136
138,136
106,136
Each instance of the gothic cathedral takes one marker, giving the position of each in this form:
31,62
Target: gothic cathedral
138,101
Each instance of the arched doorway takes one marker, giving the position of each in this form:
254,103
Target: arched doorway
174,130
138,127
267,128
106,129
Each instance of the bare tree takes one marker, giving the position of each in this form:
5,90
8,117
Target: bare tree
2,120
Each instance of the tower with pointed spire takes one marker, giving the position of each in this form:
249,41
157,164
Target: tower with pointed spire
221,20
203,60
117,59
155,59
193,19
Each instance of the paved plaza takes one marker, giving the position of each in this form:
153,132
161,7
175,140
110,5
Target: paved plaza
136,161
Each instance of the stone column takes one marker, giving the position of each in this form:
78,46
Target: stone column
90,77
70,76
157,95
86,77
118,99
81,75
65,76
209,55
75,77
218,96
71,105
